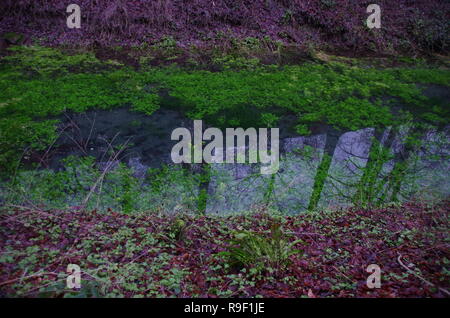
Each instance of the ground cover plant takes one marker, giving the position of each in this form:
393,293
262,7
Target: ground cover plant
152,255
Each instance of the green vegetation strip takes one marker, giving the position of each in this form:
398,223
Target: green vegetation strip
37,82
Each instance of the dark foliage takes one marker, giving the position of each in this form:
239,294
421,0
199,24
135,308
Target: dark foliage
332,24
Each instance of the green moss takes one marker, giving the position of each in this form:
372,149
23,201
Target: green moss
38,82
38,60
345,97
422,75
27,99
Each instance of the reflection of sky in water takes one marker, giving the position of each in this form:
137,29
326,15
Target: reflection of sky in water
148,136
239,187
347,177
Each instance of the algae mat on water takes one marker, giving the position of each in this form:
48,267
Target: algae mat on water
39,83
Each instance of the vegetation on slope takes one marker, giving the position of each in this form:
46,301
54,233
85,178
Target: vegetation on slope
408,26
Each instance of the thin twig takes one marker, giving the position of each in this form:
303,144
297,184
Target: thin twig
399,259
